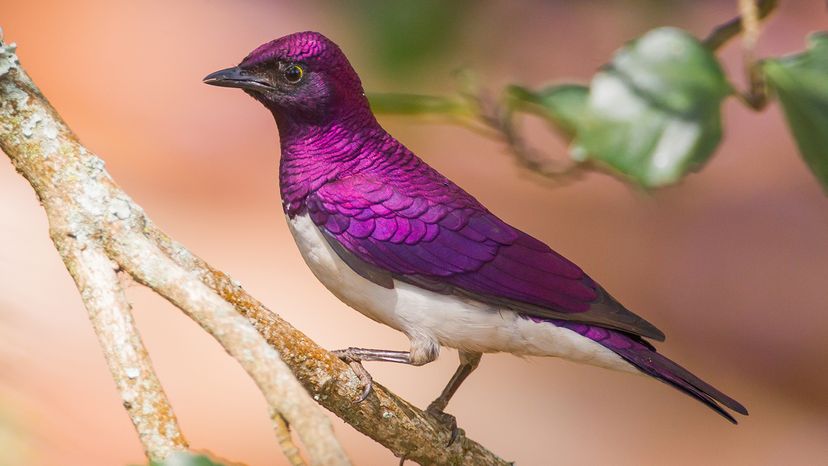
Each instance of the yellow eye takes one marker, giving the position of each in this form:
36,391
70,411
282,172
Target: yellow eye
294,73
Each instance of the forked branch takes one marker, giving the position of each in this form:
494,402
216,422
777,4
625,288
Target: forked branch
98,230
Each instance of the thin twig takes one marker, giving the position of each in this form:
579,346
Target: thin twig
127,358
749,13
722,33
289,448
497,116
756,96
474,109
500,118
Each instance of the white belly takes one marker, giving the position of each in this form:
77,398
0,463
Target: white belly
431,319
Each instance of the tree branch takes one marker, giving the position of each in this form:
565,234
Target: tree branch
83,203
32,130
289,448
92,221
142,259
393,422
141,392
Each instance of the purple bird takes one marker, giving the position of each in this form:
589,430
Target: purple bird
399,242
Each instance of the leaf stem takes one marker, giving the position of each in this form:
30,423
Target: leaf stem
756,96
722,33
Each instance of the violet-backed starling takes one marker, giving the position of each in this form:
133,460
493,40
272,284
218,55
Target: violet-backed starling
402,244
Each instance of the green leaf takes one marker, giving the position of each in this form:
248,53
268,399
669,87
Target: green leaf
653,113
562,105
186,459
801,83
405,37
414,104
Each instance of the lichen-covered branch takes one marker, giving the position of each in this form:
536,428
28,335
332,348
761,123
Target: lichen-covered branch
289,448
391,421
141,392
89,212
93,222
32,138
141,258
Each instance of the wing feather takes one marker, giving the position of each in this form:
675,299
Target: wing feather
449,243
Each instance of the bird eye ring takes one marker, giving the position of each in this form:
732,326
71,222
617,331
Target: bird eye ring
294,73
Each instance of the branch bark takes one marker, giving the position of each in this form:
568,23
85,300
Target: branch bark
127,358
93,223
32,131
84,205
388,419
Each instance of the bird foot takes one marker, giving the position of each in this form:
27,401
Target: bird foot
447,420
355,362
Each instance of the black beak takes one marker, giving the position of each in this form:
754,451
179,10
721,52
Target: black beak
237,77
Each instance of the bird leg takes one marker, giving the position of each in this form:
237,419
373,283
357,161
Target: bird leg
355,356
468,363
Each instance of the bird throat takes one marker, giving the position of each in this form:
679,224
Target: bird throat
313,155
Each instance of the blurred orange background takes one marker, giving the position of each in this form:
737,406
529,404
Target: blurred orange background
732,264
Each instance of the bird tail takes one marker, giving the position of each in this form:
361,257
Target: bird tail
644,357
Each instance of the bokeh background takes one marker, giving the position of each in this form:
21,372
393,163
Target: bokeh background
732,264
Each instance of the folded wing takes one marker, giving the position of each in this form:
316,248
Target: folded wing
440,238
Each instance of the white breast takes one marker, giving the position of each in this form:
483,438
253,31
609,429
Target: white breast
431,319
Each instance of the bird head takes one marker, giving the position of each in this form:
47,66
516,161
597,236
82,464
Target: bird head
303,77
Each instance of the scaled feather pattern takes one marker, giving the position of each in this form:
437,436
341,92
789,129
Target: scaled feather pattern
391,217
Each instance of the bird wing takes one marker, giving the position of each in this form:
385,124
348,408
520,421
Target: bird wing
440,238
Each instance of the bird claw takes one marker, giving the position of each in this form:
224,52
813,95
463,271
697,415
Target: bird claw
447,420
355,363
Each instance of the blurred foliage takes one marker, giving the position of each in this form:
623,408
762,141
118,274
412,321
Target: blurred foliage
414,104
801,83
186,459
404,35
564,106
652,115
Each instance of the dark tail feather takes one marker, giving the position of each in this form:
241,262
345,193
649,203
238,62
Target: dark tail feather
669,372
644,357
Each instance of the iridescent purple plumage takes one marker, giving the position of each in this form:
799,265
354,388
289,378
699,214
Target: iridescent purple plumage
394,219
644,356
